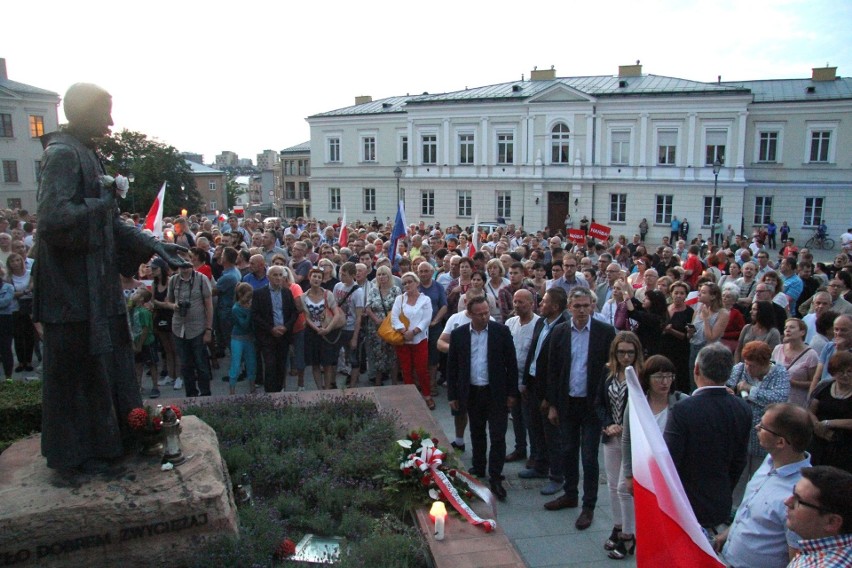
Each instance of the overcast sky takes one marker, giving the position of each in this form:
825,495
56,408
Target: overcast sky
243,76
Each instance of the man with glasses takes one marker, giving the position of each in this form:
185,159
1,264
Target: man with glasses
578,355
763,265
758,537
764,293
570,278
820,511
612,273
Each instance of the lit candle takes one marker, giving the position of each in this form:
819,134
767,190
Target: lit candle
439,513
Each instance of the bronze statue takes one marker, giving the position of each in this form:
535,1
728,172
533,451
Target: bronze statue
82,246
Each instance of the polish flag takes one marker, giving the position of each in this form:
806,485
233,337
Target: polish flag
667,532
343,240
474,238
154,219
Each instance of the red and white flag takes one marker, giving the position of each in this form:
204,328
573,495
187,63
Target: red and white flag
344,231
667,532
474,238
154,219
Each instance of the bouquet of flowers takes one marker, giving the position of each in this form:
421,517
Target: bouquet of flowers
150,420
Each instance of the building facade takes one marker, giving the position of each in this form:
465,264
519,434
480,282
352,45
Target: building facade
227,159
293,197
616,149
211,185
26,113
267,160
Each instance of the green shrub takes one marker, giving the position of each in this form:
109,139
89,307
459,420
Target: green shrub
20,411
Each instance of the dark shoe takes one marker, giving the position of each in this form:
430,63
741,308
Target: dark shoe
623,548
612,541
28,368
225,378
498,490
457,447
19,369
532,473
476,472
516,456
584,521
155,393
563,502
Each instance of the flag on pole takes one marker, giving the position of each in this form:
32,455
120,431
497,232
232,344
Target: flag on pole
474,238
667,532
154,219
343,240
399,228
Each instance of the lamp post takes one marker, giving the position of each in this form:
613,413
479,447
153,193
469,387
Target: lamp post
717,167
397,172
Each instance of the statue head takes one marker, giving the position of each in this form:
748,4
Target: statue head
88,108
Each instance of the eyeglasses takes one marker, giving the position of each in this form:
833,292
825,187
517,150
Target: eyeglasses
760,426
624,352
662,377
797,500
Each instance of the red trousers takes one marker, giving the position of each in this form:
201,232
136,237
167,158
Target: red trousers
415,358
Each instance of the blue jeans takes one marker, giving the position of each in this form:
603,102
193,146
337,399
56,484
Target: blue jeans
194,365
242,349
580,429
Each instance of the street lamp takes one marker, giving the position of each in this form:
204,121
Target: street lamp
717,167
397,172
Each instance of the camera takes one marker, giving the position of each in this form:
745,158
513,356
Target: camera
183,307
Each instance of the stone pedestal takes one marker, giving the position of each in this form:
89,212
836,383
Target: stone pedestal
142,517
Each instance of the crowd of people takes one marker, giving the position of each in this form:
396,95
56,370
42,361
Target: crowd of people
519,324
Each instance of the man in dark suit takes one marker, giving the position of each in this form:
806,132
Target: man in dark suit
273,312
544,436
482,379
707,435
578,357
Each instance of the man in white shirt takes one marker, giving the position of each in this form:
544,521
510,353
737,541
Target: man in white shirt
521,326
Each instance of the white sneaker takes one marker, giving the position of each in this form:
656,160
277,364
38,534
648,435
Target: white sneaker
167,380
178,383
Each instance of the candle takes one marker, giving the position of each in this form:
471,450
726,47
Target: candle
439,513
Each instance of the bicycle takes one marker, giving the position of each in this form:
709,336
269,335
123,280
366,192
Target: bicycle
818,242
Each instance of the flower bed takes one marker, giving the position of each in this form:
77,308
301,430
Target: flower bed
313,469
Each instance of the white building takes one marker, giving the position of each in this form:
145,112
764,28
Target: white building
26,113
614,148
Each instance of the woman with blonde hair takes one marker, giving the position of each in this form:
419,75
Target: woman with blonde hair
611,401
496,281
297,335
708,323
414,353
18,276
381,357
798,358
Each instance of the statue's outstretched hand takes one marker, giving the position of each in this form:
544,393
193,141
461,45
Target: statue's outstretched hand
169,253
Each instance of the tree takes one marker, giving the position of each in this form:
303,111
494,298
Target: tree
233,190
151,163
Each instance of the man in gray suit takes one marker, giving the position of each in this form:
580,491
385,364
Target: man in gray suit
604,291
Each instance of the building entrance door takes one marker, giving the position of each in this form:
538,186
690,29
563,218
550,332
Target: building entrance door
557,209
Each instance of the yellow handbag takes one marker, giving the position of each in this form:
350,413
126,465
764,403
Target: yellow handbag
389,334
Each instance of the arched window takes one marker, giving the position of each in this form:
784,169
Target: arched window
559,144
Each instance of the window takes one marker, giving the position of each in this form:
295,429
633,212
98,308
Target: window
666,147
403,149
369,143
334,149
430,149
289,190
716,140
813,211
618,207
212,206
303,168
427,202
820,140
211,185
620,148
13,203
466,149
304,190
369,199
663,214
465,200
334,199
717,210
36,125
37,164
10,171
762,209
6,130
768,147
504,204
505,148
559,153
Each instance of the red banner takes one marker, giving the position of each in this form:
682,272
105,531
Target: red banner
577,236
600,232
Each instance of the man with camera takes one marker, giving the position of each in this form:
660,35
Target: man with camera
192,326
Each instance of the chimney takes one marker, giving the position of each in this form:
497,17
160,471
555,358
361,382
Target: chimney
363,99
543,74
824,73
630,70
3,75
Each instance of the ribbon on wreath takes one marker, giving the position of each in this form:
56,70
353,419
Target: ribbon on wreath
430,460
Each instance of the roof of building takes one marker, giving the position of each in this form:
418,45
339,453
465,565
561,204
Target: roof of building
22,89
302,148
381,106
201,168
797,90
